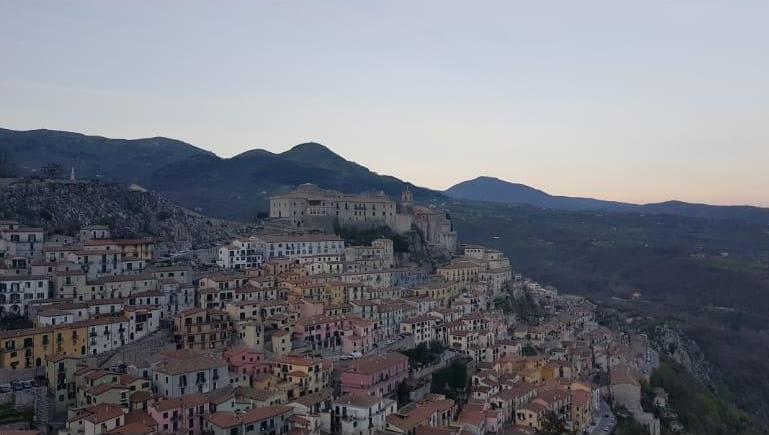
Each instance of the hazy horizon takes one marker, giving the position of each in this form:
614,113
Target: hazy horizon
643,102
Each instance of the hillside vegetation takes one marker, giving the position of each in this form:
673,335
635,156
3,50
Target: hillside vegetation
699,410
63,207
709,276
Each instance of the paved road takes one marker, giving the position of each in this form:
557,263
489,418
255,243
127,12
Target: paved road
603,421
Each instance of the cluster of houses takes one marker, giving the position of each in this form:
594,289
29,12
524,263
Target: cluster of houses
295,333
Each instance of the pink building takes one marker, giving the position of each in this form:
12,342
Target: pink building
322,331
243,361
309,308
376,375
359,337
183,415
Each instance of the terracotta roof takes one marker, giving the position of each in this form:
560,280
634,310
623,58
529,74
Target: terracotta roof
140,396
315,398
192,364
227,420
277,238
132,429
95,374
103,388
167,404
377,363
140,417
359,400
103,412
104,242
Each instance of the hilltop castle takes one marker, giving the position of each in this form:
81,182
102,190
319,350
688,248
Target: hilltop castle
309,205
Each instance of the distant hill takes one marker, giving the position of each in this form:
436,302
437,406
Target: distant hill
94,156
233,188
239,187
495,190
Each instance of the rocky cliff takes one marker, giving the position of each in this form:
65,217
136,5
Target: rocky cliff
63,207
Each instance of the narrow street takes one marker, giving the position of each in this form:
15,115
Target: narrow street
603,421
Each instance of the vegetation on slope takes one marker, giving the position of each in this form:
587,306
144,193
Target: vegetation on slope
451,381
711,276
699,410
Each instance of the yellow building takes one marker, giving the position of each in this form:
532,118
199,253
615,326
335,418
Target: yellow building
441,291
26,348
460,270
336,293
305,374
202,329
243,310
60,372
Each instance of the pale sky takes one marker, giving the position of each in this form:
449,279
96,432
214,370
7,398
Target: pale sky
627,100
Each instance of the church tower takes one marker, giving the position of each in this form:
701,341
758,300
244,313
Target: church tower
407,202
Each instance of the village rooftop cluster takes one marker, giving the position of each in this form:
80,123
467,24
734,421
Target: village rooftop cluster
293,331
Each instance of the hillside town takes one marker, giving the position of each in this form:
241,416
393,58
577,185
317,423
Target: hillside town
295,330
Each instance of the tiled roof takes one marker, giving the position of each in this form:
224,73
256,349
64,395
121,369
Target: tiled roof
193,364
103,412
376,363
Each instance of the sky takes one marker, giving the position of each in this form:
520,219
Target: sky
638,101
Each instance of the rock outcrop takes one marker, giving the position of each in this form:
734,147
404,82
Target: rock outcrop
65,206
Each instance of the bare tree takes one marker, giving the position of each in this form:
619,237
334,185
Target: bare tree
52,170
7,166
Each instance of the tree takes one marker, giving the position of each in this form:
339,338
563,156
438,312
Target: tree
528,350
552,425
7,166
52,170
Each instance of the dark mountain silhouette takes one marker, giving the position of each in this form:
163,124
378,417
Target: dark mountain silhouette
93,156
495,190
239,187
234,188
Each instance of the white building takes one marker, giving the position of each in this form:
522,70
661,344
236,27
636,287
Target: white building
107,333
142,321
93,232
17,291
18,241
377,256
299,245
308,200
360,415
421,328
185,372
239,254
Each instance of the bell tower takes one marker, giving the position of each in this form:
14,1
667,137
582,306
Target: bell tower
407,202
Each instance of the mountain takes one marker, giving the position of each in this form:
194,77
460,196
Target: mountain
491,189
94,156
233,188
495,190
239,187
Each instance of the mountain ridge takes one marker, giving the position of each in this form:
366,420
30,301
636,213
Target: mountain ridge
239,187
492,189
